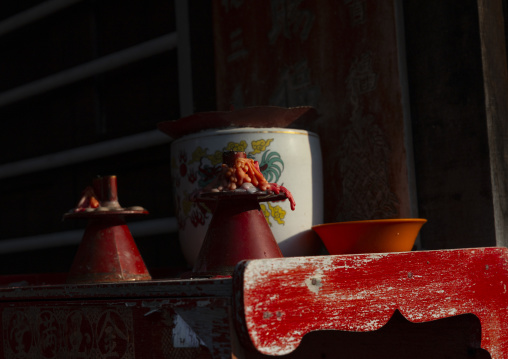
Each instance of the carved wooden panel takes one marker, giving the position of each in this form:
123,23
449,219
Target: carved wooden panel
154,319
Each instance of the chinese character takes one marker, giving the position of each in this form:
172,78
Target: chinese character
288,19
237,47
356,11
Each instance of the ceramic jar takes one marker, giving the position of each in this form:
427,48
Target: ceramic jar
287,157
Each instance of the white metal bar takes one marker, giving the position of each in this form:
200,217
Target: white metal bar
84,153
33,14
92,68
69,238
184,58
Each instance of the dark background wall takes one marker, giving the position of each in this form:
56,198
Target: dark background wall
457,120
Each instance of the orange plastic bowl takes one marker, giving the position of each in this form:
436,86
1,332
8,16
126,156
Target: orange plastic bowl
371,236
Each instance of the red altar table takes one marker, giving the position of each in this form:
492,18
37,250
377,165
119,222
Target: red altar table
302,307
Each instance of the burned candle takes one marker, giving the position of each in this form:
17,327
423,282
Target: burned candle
242,174
237,169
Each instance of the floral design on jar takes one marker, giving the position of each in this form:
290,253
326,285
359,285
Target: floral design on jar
238,147
260,146
266,213
197,217
202,167
277,213
271,166
192,177
183,163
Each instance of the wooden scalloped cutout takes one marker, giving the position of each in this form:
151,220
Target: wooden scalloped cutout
281,300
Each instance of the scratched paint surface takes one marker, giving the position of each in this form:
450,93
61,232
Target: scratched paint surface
293,296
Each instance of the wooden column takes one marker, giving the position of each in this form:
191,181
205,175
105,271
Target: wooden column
495,73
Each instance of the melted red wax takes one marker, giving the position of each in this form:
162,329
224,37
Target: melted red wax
277,189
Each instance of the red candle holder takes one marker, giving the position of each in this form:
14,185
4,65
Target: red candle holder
107,252
238,229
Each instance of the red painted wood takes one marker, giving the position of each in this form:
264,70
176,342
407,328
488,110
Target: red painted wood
141,328
150,319
238,231
278,301
23,290
107,253
457,337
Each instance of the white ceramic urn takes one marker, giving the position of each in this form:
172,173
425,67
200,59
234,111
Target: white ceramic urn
288,157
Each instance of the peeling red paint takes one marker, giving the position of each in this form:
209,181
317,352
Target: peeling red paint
276,302
361,293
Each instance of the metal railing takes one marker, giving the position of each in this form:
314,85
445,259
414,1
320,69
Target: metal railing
101,65
89,69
